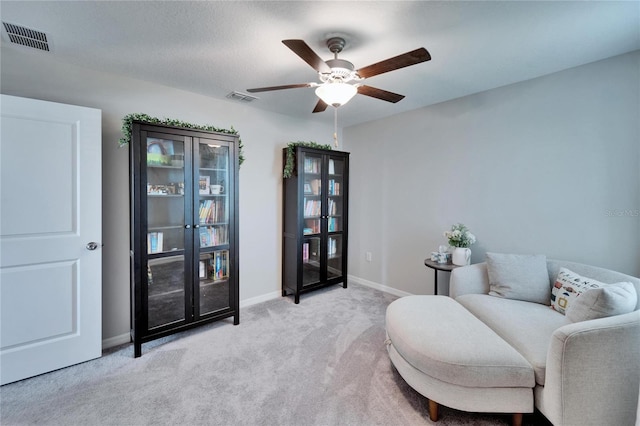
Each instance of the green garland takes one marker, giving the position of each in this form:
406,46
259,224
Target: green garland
291,155
128,120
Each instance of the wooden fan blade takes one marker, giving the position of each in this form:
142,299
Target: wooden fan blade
287,86
379,94
397,62
320,106
302,49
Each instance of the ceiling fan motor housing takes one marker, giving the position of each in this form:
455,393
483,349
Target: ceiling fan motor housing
340,68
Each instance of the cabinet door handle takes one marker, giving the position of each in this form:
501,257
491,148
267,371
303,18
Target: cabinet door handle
196,226
187,227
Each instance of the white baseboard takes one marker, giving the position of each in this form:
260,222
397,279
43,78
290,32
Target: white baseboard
378,286
116,341
259,299
126,337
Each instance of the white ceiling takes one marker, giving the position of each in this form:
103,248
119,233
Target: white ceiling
213,47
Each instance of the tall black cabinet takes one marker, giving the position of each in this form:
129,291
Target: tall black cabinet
184,230
315,208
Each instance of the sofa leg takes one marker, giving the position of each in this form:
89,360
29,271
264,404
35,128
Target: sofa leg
517,419
433,410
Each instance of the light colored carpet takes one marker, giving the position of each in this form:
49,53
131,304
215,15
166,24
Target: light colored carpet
322,362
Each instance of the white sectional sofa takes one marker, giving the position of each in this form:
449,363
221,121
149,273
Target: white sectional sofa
500,346
586,372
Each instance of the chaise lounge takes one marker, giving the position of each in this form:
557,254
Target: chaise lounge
520,332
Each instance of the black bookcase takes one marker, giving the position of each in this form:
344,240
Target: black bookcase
315,225
184,230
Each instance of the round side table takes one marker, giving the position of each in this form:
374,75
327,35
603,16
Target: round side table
447,267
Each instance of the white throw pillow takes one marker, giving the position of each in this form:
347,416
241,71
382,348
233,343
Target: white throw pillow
568,286
519,277
607,301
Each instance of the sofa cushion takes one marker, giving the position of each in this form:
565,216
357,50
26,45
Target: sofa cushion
568,286
440,338
519,277
612,299
526,326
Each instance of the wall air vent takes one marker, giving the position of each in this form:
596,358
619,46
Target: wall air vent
26,37
238,96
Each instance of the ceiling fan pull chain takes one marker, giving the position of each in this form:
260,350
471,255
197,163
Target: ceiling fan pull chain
335,126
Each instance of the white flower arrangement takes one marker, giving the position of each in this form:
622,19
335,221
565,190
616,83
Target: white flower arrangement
460,236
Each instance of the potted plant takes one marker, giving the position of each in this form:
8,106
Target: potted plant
461,238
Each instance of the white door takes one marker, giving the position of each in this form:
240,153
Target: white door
50,210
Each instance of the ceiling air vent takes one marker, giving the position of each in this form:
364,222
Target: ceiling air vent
26,37
238,96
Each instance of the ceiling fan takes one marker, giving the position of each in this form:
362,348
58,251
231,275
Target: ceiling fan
336,74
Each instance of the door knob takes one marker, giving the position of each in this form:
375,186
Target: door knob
92,245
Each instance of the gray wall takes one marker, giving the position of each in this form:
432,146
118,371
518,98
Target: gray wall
546,166
263,135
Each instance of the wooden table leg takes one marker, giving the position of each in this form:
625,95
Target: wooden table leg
517,419
433,410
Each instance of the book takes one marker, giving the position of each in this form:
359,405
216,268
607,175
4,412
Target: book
315,186
312,208
160,242
205,239
332,247
332,207
311,165
203,185
214,235
332,167
220,263
212,211
154,242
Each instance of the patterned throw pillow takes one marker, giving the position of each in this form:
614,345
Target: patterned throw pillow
568,286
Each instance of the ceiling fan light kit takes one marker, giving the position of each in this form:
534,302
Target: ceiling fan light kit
335,74
336,93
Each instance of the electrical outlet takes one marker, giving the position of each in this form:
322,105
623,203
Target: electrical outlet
367,256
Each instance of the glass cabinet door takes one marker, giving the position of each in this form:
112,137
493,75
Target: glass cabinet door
165,204
213,227
335,211
166,291
312,217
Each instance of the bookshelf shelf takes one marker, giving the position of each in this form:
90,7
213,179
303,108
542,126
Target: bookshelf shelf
184,239
315,206
211,169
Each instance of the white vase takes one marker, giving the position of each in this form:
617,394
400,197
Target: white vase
461,256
